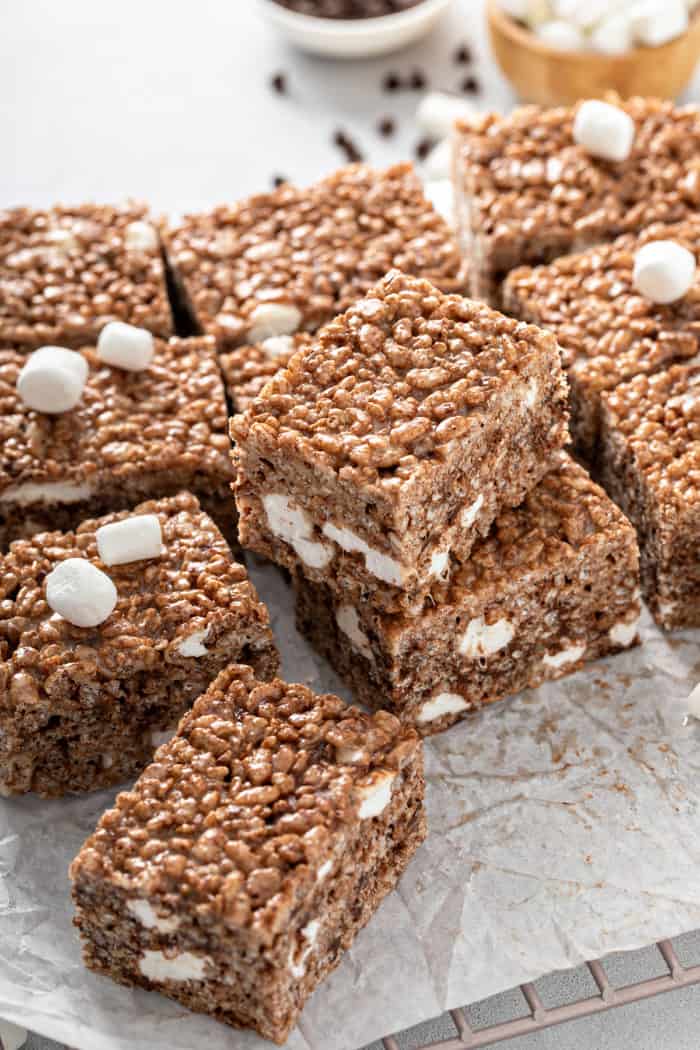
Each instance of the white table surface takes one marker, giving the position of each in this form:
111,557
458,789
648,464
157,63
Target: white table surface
170,103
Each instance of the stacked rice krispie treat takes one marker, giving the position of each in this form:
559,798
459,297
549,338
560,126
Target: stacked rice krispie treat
386,468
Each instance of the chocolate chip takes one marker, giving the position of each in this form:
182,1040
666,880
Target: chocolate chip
463,55
346,144
279,83
471,85
347,8
418,80
424,147
391,82
386,127
279,180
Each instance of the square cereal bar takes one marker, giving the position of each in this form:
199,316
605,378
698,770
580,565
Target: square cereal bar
650,465
526,192
247,368
292,259
83,708
608,332
555,583
132,436
395,438
65,272
248,856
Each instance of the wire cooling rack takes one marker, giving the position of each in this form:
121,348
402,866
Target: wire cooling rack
606,994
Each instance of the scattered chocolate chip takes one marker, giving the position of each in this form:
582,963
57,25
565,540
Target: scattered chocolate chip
279,180
346,144
386,127
471,85
347,8
418,80
279,83
391,82
463,55
424,147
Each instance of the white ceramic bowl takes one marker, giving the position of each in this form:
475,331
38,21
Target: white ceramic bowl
356,37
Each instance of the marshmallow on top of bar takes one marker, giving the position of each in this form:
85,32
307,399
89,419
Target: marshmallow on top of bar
649,461
529,189
608,327
107,633
66,271
131,433
292,259
247,857
395,437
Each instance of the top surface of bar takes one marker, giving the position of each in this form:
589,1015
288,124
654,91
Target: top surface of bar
562,515
172,415
247,369
387,388
530,182
658,417
317,249
161,601
603,325
67,271
243,810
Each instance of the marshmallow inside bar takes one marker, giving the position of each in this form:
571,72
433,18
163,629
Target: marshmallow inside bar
140,236
80,592
273,319
604,130
53,380
131,539
125,346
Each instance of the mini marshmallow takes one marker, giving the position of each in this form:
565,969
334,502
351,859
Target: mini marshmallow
52,380
140,236
80,592
125,346
564,36
655,22
440,193
438,163
663,271
612,35
271,319
277,345
132,539
692,704
437,113
604,130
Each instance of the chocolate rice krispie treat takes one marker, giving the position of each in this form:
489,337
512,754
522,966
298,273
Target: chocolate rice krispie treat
132,435
555,584
66,271
527,192
650,465
608,332
83,707
389,445
292,259
247,369
248,856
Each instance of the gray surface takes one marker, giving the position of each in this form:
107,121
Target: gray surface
68,137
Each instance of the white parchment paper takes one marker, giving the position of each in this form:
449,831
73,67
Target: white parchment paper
563,825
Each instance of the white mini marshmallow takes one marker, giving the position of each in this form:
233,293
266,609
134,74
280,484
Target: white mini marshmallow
80,592
348,621
692,704
484,639
438,163
271,319
185,966
133,539
442,704
603,130
437,113
47,492
140,236
563,36
294,526
277,345
655,22
144,912
12,1037
52,380
441,195
469,513
624,632
571,655
379,564
375,796
663,271
125,346
193,645
612,35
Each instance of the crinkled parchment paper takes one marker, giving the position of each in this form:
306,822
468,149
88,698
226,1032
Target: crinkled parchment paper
564,825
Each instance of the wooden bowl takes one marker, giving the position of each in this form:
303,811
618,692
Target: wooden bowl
549,77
